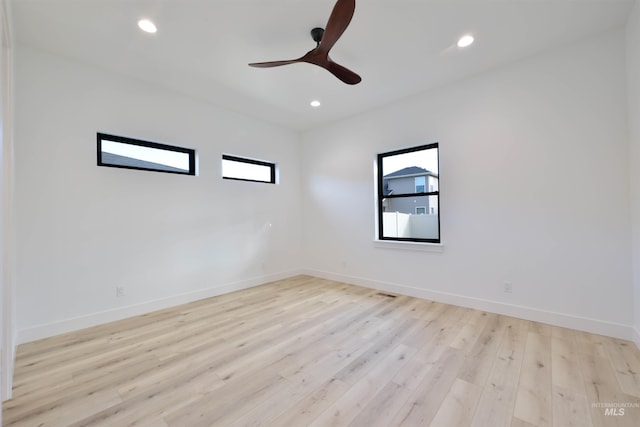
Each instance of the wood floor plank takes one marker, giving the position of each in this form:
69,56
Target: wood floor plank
570,409
311,407
266,411
432,310
540,329
53,398
626,362
564,333
533,399
458,406
380,409
425,401
451,322
383,346
227,402
393,396
63,412
353,401
517,422
163,398
565,372
604,394
470,331
587,343
497,401
481,355
307,351
307,366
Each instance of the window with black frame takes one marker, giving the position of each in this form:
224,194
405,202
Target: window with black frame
243,169
129,153
408,194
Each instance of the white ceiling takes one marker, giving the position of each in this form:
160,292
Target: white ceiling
399,47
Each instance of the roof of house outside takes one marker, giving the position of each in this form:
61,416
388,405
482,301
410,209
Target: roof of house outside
411,170
114,159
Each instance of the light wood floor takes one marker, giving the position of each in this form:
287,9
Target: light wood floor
306,351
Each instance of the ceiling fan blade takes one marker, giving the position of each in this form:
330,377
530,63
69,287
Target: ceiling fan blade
344,74
337,23
273,63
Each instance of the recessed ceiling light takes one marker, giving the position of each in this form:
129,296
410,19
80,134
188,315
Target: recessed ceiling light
147,26
465,41
315,103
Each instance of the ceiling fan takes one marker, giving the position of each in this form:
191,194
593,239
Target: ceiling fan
325,39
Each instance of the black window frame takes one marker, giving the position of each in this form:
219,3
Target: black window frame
142,143
381,196
272,167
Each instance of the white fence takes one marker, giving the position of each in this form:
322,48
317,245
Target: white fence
396,224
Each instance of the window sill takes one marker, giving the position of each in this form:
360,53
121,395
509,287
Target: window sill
409,246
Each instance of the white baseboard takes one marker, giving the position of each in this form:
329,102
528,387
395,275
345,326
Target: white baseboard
636,337
594,326
73,324
7,369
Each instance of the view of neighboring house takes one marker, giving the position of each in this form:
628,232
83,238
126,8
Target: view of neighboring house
410,180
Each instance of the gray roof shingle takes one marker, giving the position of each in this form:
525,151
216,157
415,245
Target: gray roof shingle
411,170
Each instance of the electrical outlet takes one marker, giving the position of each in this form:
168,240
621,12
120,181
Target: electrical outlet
508,287
119,291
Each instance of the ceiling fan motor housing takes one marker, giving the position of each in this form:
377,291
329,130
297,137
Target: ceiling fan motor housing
317,33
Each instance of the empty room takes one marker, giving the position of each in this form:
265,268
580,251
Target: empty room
320,213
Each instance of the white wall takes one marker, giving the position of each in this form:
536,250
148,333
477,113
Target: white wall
633,83
7,285
519,148
82,230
